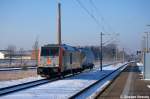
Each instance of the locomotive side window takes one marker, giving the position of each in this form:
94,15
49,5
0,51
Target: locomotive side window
49,51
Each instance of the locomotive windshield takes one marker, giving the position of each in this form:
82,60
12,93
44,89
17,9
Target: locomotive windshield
49,51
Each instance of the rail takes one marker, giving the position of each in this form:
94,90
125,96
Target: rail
22,86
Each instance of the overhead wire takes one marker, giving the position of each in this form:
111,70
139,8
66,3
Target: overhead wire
103,19
96,9
100,15
89,13
96,19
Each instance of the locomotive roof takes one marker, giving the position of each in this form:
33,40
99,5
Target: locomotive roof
64,46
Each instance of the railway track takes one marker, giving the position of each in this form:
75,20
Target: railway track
78,94
16,69
19,87
14,88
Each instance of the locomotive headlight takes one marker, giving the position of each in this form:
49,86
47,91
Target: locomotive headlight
57,65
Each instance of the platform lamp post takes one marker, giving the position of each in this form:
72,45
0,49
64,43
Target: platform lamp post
147,41
143,48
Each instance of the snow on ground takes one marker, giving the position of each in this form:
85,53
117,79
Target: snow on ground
148,86
16,82
140,66
63,89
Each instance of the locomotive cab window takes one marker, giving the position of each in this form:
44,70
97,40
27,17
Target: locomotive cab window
50,51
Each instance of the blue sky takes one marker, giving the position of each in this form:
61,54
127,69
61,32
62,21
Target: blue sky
21,21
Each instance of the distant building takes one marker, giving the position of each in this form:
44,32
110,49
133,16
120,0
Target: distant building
2,55
22,55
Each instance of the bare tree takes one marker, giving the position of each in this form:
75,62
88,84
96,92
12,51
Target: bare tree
11,51
21,52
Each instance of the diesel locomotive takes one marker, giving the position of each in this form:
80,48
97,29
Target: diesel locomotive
60,60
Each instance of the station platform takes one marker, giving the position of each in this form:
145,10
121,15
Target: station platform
128,85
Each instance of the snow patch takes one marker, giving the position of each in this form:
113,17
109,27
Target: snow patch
148,86
19,81
139,64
